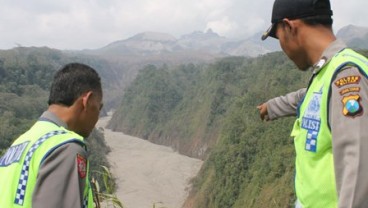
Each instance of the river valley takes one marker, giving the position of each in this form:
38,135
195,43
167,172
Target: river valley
147,173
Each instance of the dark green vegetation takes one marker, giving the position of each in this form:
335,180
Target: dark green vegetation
25,78
210,112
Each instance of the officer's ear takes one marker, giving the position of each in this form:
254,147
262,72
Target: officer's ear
86,97
291,27
286,25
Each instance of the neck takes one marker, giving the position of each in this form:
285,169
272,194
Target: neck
64,113
316,39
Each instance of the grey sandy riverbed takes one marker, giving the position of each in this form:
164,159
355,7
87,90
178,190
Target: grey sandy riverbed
148,173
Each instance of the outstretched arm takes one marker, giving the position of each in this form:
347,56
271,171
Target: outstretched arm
282,106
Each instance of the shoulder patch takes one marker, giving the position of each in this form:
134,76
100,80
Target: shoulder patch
82,166
347,81
13,154
352,106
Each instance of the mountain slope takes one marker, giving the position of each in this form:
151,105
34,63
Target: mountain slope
143,43
209,42
354,36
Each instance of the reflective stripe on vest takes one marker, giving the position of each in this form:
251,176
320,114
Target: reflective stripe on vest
23,179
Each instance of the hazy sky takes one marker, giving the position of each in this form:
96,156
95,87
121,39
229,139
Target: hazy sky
90,24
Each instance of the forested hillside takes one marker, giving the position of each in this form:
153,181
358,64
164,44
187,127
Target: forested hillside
209,111
187,107
25,78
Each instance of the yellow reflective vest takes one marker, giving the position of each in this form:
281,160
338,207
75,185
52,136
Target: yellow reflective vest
315,176
20,164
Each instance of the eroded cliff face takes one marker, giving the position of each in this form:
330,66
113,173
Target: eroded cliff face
182,108
195,145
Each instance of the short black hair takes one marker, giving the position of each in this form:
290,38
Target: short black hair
71,81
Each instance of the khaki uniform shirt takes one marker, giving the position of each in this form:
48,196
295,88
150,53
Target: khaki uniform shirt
58,180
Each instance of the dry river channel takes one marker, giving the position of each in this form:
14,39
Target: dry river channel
148,174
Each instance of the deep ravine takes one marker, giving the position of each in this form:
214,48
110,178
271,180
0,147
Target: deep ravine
147,173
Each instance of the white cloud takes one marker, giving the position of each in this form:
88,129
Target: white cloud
70,24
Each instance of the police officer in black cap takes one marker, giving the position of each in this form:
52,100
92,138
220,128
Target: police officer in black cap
330,135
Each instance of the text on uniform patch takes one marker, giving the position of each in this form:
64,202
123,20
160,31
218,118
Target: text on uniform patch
13,154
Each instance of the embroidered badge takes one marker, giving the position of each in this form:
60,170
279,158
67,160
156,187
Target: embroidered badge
311,121
82,166
349,90
352,106
347,80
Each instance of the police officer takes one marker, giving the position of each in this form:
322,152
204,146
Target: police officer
330,135
47,166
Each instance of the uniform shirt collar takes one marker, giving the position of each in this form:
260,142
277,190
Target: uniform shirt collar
335,47
51,117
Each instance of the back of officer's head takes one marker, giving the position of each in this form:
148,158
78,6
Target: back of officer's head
72,81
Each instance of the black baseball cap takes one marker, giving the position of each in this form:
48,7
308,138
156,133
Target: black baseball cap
296,9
